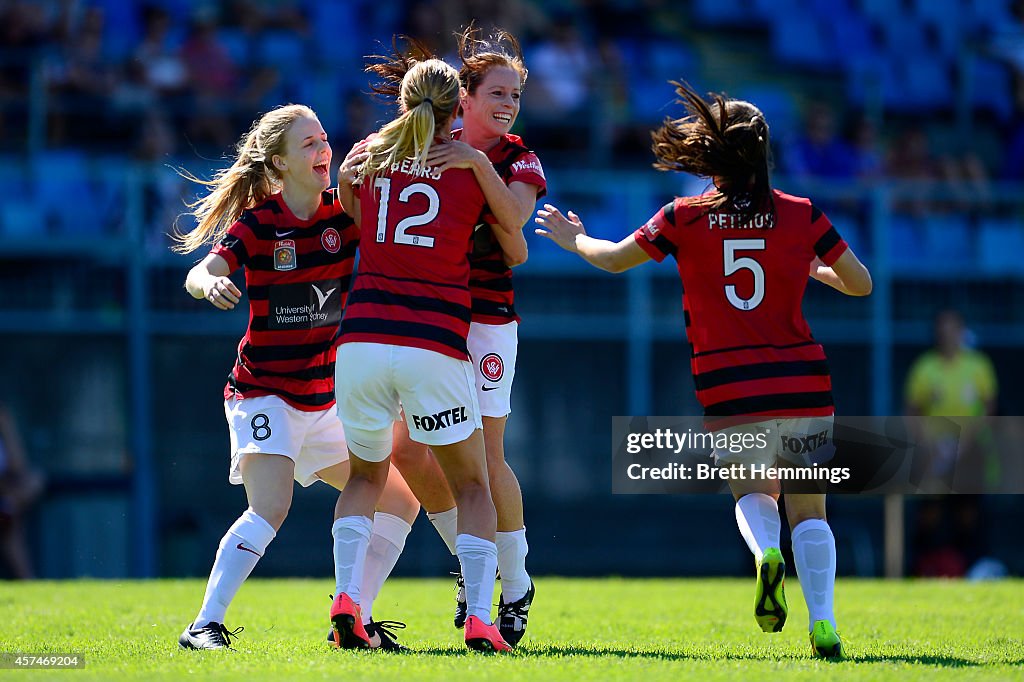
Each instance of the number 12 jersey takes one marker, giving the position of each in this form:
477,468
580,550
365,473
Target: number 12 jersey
412,284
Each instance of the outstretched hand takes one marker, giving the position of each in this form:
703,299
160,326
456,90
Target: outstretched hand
559,228
348,172
222,293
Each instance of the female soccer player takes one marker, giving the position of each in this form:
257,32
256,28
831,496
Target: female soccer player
271,213
403,342
744,252
492,76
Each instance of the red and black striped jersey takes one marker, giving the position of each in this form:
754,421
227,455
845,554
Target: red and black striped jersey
297,275
412,287
490,279
743,283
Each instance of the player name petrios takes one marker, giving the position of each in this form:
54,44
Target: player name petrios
737,221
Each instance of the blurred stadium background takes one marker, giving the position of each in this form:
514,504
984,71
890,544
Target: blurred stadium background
903,118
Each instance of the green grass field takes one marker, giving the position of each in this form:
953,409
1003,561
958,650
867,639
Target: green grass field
580,630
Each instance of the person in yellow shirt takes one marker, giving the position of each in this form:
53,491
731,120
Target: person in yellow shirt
951,380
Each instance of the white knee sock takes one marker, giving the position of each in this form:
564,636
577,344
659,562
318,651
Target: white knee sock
239,550
351,536
814,549
512,549
757,515
446,523
479,559
386,544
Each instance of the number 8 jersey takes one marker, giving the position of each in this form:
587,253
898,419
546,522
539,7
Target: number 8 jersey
412,285
743,283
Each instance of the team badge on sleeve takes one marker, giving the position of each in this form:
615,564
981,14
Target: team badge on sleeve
651,229
492,367
284,255
331,240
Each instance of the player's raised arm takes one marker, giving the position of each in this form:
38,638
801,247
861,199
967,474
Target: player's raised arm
348,174
847,274
569,233
209,279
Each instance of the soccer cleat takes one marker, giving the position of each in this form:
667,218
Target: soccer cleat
825,642
460,602
770,608
349,632
512,617
210,636
482,637
388,638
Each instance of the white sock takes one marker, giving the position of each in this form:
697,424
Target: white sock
479,559
757,515
446,523
814,550
386,544
512,549
351,536
239,550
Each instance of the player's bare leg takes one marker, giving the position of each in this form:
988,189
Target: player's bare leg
268,483
517,589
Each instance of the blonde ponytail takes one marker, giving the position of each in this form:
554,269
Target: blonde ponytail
247,182
428,97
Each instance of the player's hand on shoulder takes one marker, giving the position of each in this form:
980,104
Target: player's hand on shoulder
454,154
348,172
221,292
559,228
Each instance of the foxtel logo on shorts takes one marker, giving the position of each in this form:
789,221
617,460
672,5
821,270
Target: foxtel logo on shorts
441,420
803,445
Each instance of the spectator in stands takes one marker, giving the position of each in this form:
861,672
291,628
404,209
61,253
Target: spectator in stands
561,74
819,151
865,148
20,487
162,65
213,78
81,80
951,380
1013,159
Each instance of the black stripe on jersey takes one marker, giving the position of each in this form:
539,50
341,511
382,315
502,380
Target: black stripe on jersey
670,213
413,279
512,152
308,374
686,319
247,218
492,265
493,308
500,284
261,292
311,400
425,303
412,330
754,347
775,402
815,213
304,351
763,370
313,259
664,245
827,242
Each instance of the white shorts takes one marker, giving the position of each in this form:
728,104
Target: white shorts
268,425
799,441
437,393
492,349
